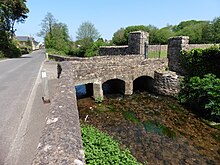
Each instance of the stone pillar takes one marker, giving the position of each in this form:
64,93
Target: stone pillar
137,41
175,45
97,90
128,87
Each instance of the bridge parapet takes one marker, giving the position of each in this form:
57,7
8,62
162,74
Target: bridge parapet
127,70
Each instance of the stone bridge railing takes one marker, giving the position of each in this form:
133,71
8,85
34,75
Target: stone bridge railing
61,141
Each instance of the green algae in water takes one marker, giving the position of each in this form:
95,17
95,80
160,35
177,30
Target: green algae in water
131,116
105,108
155,127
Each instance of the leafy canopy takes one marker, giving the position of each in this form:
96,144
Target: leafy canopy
12,11
56,35
47,24
87,30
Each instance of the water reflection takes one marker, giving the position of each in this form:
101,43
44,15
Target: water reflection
81,91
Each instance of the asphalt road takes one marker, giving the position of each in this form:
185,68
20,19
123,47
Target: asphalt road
17,79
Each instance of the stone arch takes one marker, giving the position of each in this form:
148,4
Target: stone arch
84,90
143,83
113,86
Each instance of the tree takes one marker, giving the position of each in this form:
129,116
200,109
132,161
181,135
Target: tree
208,33
56,34
87,30
58,38
216,29
130,29
162,35
12,11
119,37
194,31
185,24
46,25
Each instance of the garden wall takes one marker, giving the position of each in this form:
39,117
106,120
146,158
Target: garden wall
137,42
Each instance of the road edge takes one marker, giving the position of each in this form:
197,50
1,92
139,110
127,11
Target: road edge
14,153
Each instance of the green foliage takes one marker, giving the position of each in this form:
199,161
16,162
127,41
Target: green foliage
162,35
12,51
93,50
203,95
130,29
200,89
87,30
98,100
56,35
199,62
194,31
216,29
56,52
87,48
47,24
119,37
102,149
59,38
131,116
12,11
25,49
198,31
1,54
185,24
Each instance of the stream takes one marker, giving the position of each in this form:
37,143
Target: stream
156,129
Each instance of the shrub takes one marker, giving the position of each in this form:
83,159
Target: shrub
12,51
102,149
25,49
2,54
199,62
56,52
202,94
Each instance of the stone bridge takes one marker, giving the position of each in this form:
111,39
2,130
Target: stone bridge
61,141
94,72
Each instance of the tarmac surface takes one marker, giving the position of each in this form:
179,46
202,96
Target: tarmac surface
23,113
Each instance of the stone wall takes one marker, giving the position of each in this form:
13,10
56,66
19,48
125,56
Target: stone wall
156,48
136,45
113,50
175,46
167,82
61,141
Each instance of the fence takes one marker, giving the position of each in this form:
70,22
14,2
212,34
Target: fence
157,51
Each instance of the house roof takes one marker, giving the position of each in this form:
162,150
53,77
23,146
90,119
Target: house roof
24,38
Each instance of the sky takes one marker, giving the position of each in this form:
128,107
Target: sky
110,15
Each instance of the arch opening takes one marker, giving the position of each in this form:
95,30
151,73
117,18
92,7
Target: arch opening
84,90
113,87
143,83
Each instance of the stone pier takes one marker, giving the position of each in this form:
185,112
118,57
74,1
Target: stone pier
175,46
97,90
